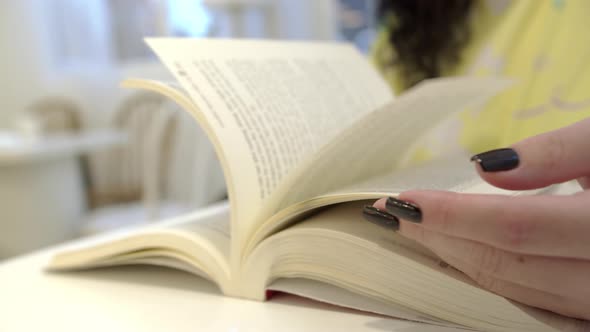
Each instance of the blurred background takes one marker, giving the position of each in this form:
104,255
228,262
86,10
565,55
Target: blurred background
76,155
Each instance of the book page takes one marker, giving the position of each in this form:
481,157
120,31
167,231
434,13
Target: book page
338,247
375,144
198,242
328,293
454,173
271,104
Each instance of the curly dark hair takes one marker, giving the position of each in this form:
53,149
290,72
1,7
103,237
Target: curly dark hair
426,35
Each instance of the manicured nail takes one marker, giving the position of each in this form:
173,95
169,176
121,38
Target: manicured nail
380,218
497,160
404,210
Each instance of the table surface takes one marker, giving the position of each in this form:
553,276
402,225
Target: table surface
143,298
15,148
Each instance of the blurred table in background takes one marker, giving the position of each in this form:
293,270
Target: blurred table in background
42,196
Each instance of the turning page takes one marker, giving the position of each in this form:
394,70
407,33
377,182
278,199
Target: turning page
376,144
372,146
271,105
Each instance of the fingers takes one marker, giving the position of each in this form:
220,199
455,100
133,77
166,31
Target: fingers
561,277
539,161
556,226
553,283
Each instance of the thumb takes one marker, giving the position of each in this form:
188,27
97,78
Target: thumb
539,161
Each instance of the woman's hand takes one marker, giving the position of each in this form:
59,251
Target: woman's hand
533,249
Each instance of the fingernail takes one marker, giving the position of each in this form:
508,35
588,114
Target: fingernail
497,160
380,218
404,210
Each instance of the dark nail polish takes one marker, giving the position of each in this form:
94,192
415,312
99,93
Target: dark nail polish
380,218
404,210
497,160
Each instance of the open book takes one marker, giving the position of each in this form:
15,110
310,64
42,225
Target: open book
306,133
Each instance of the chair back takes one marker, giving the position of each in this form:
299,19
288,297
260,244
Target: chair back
168,158
56,114
118,172
193,174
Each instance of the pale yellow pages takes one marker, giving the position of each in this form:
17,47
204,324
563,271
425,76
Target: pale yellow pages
271,105
338,247
197,242
374,145
323,292
455,173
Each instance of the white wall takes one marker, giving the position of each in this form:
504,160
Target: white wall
307,19
29,50
30,56
24,55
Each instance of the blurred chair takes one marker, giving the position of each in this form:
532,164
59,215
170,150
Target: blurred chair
168,168
118,174
189,175
56,114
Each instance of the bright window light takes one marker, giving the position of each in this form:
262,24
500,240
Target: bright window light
189,18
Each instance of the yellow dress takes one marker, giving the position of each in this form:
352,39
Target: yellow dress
544,45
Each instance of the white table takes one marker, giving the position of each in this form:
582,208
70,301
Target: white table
42,194
157,299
